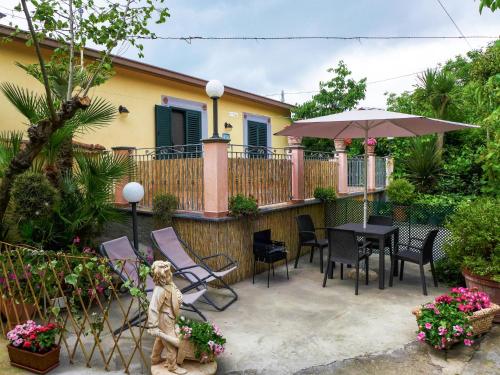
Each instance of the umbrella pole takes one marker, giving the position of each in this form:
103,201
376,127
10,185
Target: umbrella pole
365,195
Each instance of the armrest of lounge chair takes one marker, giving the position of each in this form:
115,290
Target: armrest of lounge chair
231,261
192,286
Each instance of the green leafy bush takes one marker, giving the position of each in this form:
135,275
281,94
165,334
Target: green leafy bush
33,196
474,243
449,272
240,205
325,194
207,338
423,164
164,206
401,191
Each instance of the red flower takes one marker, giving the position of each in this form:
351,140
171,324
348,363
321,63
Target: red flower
27,344
33,337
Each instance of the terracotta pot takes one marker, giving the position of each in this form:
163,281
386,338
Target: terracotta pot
400,213
16,313
486,285
293,141
34,362
370,149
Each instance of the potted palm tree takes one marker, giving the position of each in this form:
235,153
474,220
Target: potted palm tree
474,245
401,194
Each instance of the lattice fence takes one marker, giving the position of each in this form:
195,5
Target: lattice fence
413,221
97,310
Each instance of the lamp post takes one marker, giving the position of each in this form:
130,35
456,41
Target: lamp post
215,89
133,192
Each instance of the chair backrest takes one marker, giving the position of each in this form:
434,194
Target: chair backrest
305,224
343,245
123,259
168,243
428,244
380,220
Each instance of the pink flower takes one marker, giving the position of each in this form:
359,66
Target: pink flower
442,331
428,325
371,142
421,336
76,240
468,342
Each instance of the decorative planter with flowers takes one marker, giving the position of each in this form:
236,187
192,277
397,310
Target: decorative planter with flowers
456,317
33,347
370,145
341,143
201,341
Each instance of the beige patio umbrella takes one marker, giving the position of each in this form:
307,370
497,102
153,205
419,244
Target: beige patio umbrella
369,123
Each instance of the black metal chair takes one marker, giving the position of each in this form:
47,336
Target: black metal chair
307,237
382,220
343,247
420,254
266,250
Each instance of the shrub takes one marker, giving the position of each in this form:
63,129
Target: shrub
423,164
164,206
33,196
240,205
401,191
449,272
474,243
325,194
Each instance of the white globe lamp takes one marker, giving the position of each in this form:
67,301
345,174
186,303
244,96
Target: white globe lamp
133,192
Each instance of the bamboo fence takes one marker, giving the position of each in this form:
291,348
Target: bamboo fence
319,173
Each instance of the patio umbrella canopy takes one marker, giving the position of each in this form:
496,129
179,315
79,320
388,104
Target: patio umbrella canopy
369,123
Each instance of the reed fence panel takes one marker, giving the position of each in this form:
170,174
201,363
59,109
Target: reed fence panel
179,173
265,174
320,170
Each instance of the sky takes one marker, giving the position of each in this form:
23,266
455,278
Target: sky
267,67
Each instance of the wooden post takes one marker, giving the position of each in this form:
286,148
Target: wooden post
215,176
123,151
297,152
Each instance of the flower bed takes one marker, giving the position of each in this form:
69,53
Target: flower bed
455,317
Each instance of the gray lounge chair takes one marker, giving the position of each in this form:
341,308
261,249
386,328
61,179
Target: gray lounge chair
121,249
174,249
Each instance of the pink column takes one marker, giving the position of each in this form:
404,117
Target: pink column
298,194
215,185
122,151
341,166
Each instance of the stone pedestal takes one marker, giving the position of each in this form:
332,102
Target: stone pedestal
194,368
215,177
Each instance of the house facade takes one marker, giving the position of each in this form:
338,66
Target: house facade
165,108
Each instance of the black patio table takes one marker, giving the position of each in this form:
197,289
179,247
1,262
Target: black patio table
381,232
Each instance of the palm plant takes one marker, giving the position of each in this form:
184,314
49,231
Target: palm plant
437,87
423,164
10,144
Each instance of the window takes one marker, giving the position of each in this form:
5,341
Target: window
176,127
257,139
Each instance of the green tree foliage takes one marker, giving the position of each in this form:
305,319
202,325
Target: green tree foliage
492,4
470,87
338,94
423,164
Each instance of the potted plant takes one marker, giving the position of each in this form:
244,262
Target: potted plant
455,317
475,246
242,206
202,341
401,193
370,145
33,347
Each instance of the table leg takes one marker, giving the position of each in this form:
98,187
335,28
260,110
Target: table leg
395,249
381,263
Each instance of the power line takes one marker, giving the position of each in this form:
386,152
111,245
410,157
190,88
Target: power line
368,83
454,23
190,39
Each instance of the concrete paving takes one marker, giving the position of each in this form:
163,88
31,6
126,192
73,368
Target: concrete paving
298,327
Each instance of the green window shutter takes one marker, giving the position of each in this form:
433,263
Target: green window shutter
163,121
257,136
262,135
193,127
253,137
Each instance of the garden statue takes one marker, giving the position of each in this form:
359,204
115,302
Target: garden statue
162,314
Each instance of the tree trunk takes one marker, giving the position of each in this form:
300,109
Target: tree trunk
38,135
65,157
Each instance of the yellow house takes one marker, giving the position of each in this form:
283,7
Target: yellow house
164,107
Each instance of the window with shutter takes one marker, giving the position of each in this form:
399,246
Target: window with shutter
257,139
163,120
193,132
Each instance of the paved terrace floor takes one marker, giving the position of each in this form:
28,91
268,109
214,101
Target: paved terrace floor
298,327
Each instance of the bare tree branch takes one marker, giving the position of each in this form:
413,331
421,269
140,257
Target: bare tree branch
43,70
